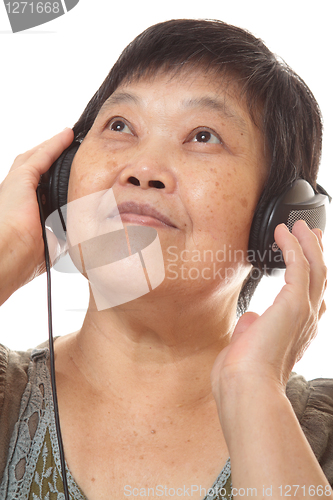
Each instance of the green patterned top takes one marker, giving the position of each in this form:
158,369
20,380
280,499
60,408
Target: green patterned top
47,483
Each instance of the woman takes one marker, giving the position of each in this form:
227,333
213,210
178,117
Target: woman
192,132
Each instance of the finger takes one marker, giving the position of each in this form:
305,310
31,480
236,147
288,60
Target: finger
318,232
297,275
322,309
313,253
50,150
23,157
244,322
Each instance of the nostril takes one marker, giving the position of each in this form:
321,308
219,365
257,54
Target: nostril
134,180
156,184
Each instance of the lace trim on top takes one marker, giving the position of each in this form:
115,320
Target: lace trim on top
33,470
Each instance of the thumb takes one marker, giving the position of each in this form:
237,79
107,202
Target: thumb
244,322
242,325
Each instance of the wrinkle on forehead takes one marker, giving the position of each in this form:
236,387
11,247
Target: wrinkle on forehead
186,74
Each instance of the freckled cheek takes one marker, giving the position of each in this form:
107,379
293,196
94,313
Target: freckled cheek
90,174
227,216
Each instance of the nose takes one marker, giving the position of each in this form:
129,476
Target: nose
149,171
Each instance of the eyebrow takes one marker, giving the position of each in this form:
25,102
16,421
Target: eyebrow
120,98
218,105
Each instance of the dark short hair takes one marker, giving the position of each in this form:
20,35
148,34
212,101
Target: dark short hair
279,101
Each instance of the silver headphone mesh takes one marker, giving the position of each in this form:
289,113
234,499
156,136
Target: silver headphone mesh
314,217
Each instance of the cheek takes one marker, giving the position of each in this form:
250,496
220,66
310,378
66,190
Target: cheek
225,209
88,204
92,171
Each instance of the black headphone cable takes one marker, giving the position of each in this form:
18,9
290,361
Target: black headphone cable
52,367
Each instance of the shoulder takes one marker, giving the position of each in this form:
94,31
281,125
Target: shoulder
313,405
14,366
13,380
14,376
13,373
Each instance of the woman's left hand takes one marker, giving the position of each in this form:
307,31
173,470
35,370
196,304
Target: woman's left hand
266,347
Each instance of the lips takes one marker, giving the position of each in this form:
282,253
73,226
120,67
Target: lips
137,209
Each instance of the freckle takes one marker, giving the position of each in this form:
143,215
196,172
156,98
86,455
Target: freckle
165,446
153,431
188,441
141,457
213,170
93,479
217,183
244,202
135,433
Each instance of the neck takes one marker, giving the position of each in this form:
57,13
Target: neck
134,350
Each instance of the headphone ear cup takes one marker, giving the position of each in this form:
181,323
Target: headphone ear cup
59,177
261,242
297,202
53,188
254,235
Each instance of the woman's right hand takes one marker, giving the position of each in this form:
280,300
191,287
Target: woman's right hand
21,241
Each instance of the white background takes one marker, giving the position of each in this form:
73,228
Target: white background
49,73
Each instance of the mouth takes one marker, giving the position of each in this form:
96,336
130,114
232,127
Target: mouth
142,214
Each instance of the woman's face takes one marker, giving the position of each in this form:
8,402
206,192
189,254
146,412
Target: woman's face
182,155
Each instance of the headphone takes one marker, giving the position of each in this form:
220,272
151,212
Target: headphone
298,201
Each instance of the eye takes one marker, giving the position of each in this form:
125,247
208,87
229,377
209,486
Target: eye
119,125
206,136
